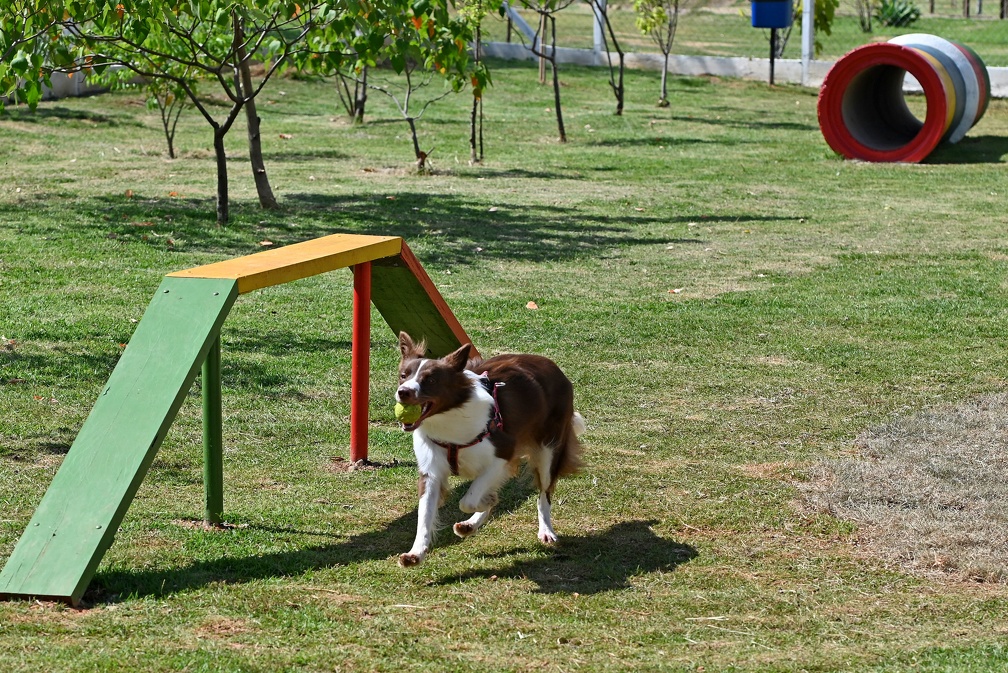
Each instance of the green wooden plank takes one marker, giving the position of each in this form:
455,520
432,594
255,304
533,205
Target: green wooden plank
80,513
407,306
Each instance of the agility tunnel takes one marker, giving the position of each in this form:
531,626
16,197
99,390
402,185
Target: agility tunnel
863,112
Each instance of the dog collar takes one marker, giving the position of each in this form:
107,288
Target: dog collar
494,424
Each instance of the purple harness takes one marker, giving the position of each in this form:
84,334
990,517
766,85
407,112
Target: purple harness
495,423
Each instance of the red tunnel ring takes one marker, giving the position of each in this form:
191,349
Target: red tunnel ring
862,112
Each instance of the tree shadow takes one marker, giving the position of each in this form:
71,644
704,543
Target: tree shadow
51,113
971,150
462,231
593,563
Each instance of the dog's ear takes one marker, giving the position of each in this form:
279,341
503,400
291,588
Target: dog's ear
458,359
408,348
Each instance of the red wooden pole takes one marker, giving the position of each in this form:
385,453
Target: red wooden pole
360,362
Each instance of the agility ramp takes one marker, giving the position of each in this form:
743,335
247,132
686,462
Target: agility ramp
863,113
177,339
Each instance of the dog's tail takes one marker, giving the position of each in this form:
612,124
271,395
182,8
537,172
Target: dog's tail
579,424
567,452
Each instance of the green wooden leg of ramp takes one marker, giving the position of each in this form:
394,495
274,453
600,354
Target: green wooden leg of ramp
80,513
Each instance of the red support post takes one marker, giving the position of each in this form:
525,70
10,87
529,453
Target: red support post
360,362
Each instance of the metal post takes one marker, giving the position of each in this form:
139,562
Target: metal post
360,362
773,51
213,438
807,39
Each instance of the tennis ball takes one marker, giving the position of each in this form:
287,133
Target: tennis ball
409,413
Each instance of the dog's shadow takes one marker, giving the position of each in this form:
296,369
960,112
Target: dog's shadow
593,563
582,563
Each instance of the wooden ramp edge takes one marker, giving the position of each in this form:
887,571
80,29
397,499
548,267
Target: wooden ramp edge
78,517
297,261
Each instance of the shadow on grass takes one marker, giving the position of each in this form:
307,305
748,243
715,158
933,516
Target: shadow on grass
453,227
586,564
971,150
593,563
57,113
731,118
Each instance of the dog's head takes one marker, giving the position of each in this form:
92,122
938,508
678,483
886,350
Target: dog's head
437,385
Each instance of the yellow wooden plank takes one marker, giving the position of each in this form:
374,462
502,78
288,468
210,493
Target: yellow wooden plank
297,261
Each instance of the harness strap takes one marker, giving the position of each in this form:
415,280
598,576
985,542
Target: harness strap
495,423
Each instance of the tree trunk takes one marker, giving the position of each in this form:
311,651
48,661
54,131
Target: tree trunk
663,101
556,83
619,85
421,156
263,189
360,98
473,159
222,176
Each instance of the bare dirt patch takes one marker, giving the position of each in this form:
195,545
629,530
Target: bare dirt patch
928,492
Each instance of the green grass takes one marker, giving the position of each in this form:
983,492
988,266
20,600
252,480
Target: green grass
724,29
732,301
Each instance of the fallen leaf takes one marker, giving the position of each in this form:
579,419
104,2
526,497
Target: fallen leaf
639,210
286,136
15,381
129,193
532,306
266,243
493,209
676,290
173,193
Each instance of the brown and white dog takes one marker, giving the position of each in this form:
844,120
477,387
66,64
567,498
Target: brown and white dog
479,420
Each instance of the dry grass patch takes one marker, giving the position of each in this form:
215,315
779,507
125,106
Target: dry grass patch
928,490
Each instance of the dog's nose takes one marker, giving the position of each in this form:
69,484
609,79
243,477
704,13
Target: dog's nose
406,395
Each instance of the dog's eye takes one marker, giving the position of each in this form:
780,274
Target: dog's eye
402,376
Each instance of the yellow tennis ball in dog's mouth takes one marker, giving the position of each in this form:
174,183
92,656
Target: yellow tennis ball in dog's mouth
408,413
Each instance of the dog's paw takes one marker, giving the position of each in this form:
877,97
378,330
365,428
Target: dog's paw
464,529
408,560
470,506
547,537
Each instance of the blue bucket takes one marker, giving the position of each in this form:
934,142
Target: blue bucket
771,13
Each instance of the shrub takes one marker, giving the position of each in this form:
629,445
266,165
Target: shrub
897,13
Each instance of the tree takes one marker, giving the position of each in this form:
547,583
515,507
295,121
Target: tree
659,19
182,41
426,42
547,10
865,12
600,8
474,11
822,22
27,29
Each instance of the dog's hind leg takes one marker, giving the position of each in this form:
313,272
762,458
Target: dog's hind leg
430,489
543,469
468,527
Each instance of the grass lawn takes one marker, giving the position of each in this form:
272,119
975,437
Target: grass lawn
733,303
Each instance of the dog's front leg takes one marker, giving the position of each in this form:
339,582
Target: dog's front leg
482,493
429,488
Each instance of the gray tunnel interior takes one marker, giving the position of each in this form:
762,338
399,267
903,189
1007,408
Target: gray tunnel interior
875,111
